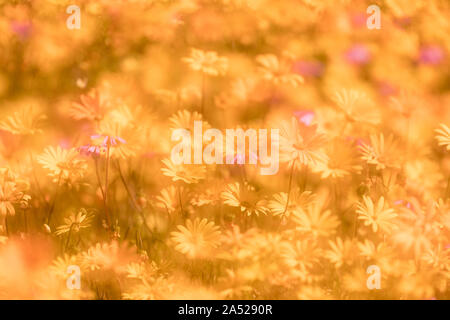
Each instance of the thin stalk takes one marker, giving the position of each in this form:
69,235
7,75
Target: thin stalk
408,128
105,198
35,178
203,93
97,173
52,207
68,238
127,188
181,203
6,225
132,196
289,188
25,220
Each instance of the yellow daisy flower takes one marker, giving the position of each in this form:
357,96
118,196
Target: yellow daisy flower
443,136
197,238
208,62
378,216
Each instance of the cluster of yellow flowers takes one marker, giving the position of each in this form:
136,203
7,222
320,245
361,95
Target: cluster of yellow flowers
87,180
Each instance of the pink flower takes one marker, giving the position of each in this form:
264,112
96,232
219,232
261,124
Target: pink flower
405,203
308,68
305,116
358,54
108,140
358,19
90,150
21,28
431,55
386,89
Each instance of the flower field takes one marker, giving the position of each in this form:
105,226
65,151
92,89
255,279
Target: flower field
356,204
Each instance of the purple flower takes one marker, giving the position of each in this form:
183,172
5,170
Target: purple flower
90,150
308,68
358,54
305,116
21,28
431,55
108,140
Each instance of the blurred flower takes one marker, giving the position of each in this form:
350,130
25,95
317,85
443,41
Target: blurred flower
298,201
356,106
302,144
197,238
107,256
358,54
207,62
75,222
443,136
171,198
341,252
379,217
305,116
61,264
91,150
188,173
245,198
342,161
93,106
27,121
381,153
308,68
108,140
417,227
64,165
279,71
12,191
315,222
22,29
431,55
301,256
185,119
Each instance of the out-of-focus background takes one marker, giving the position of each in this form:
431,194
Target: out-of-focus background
86,116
